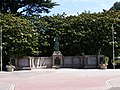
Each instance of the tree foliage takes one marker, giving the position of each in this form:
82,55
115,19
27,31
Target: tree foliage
27,6
116,6
19,36
86,33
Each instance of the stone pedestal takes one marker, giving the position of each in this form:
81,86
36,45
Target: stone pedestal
57,59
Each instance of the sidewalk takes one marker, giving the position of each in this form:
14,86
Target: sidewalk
4,86
115,84
61,79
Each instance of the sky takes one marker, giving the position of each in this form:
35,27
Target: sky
72,7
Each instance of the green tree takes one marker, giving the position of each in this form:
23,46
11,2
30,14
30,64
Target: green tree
19,36
88,33
116,6
29,7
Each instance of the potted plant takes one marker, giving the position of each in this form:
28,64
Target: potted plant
10,67
104,63
115,62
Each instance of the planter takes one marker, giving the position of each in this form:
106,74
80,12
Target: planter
103,66
10,69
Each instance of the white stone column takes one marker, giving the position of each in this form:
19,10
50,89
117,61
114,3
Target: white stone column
33,64
30,62
38,61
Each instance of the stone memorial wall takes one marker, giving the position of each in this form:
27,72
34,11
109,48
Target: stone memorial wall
88,61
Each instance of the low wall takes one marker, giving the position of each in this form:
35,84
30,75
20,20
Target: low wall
87,61
73,61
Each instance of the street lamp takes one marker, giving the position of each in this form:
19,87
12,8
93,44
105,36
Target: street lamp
113,42
1,48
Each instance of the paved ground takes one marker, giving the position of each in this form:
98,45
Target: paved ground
61,79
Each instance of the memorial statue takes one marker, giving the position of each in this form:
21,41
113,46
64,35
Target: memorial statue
56,42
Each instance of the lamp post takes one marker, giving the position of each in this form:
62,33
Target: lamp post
113,45
1,48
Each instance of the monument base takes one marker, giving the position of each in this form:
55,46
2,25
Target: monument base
57,53
57,59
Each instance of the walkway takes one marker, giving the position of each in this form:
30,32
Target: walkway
61,79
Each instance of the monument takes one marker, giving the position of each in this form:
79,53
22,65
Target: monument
56,42
57,58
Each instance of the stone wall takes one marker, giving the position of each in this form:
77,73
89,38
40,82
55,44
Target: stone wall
87,61
72,61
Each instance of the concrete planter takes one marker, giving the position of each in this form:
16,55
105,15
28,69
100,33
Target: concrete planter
10,69
103,66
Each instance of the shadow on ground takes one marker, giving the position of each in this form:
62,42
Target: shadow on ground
114,88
